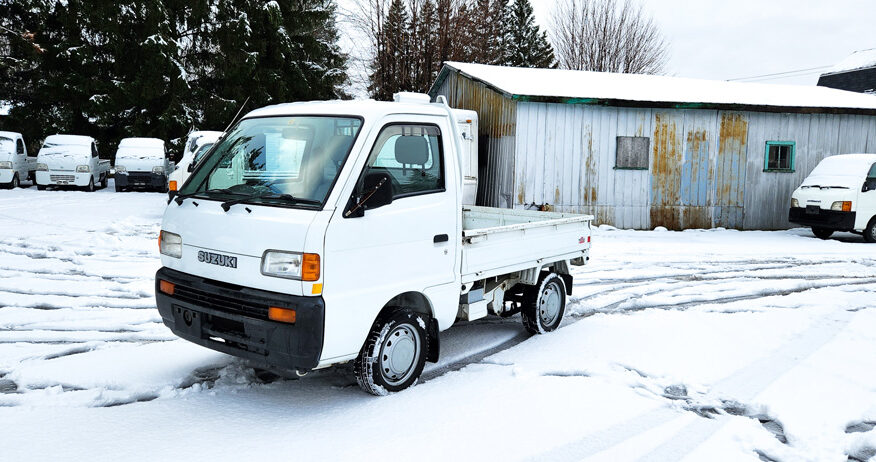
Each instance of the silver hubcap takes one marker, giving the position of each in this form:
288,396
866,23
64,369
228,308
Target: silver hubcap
399,354
549,304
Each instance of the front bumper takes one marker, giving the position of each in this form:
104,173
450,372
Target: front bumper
822,218
233,320
141,180
62,178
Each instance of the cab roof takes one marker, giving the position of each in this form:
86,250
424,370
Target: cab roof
359,108
70,140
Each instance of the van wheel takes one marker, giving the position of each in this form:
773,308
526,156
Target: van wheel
394,353
544,304
822,233
870,231
41,187
104,181
90,187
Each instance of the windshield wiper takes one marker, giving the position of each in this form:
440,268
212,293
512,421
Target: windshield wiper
269,195
181,197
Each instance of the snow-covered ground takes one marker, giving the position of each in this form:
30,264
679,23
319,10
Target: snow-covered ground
696,345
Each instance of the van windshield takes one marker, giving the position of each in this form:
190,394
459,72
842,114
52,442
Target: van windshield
284,161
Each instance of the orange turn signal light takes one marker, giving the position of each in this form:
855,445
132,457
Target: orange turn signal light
281,315
847,206
172,185
310,267
166,287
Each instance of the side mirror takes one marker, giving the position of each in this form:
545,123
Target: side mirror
191,167
376,192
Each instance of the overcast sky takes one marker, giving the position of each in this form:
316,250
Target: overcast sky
727,39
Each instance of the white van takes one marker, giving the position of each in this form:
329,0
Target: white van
15,164
71,160
142,163
323,233
197,143
839,195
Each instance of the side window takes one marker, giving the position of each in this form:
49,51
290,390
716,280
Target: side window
93,150
413,157
872,174
779,156
632,152
19,146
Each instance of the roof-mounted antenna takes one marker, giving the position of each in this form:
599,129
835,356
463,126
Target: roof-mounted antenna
236,115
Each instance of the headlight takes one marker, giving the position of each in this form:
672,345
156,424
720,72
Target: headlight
291,265
83,169
795,202
170,244
842,206
5,165
121,169
158,170
41,167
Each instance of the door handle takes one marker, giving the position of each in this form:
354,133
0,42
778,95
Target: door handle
440,238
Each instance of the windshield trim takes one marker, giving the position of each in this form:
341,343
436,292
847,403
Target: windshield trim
278,204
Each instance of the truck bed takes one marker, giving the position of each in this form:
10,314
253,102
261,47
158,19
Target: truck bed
500,241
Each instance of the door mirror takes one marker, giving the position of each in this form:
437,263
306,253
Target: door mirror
376,192
191,167
869,185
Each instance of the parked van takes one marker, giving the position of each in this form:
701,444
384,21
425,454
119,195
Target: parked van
71,160
15,164
142,163
839,195
323,233
197,144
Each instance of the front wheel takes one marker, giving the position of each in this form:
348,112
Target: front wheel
544,304
394,353
870,231
104,181
822,233
41,187
90,187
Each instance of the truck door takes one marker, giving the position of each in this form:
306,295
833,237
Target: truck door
20,160
409,245
867,199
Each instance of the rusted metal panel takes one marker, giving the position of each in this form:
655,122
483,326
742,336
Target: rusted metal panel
729,172
666,169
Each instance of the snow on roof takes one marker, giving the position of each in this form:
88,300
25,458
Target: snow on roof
591,87
857,60
154,143
69,140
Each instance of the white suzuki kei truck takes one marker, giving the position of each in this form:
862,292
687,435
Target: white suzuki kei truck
322,233
71,160
15,164
839,195
142,163
195,144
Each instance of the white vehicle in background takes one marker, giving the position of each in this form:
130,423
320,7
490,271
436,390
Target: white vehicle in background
15,164
839,195
323,233
71,160
197,144
142,163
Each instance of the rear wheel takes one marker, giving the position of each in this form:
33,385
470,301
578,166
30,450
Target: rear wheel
822,233
544,304
119,188
394,353
870,231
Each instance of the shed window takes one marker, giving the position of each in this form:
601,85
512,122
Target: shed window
779,156
632,152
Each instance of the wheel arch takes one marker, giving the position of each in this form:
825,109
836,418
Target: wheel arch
418,303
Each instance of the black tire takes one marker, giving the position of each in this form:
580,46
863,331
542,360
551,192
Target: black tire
870,231
375,370
104,181
822,233
540,312
119,188
90,187
41,187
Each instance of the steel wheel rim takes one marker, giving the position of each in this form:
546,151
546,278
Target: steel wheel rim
549,304
399,354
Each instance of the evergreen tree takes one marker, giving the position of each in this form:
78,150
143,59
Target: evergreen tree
391,71
526,44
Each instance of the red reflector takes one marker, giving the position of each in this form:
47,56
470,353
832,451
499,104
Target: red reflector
166,287
588,238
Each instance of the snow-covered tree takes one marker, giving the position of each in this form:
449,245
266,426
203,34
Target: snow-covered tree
526,44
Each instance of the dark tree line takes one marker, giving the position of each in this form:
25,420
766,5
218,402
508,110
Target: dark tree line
411,39
160,67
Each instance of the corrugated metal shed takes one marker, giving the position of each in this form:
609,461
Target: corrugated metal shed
706,161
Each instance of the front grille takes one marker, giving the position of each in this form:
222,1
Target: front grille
220,302
62,177
140,177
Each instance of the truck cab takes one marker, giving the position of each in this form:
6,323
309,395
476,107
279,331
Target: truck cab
197,144
323,233
15,163
839,195
71,160
142,163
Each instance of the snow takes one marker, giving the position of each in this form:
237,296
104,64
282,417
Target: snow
695,345
857,60
69,140
562,83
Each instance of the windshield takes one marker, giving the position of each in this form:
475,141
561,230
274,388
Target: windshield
286,161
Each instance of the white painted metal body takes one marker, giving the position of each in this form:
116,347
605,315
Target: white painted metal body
143,155
14,151
193,143
823,189
392,250
63,154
